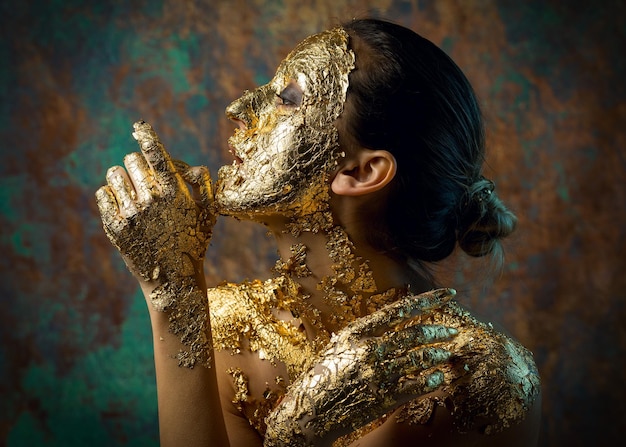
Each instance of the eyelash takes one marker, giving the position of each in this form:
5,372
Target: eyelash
284,101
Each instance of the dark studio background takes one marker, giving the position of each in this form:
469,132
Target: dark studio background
75,354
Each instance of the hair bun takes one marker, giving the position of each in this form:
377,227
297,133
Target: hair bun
483,220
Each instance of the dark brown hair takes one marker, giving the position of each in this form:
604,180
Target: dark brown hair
408,97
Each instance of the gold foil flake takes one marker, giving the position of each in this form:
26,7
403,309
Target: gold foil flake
240,382
341,253
312,223
263,407
380,300
352,278
242,316
296,264
364,282
256,408
292,298
188,320
418,411
285,154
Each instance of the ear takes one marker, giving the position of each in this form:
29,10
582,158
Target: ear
366,172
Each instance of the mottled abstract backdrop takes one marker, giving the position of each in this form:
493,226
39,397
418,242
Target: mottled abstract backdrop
75,356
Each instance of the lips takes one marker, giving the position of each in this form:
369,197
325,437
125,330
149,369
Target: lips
238,160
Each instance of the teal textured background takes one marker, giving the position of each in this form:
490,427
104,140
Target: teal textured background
75,356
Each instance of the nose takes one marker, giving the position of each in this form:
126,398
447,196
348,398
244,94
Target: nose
240,109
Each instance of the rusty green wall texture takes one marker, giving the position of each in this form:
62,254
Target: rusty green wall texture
75,355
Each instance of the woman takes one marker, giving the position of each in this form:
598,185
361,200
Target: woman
363,158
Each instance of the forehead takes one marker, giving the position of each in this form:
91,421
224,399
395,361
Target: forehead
320,63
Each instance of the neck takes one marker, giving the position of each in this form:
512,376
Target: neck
341,275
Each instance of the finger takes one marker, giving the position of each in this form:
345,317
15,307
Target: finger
141,177
200,180
419,385
180,165
417,361
112,222
107,205
434,299
155,154
416,335
124,193
402,311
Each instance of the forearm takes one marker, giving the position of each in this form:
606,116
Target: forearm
188,398
159,214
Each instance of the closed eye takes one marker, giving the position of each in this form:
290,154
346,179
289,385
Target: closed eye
284,101
290,96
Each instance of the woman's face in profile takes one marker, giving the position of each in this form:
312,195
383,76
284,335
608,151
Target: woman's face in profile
286,143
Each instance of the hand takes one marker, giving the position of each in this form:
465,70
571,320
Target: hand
369,368
152,218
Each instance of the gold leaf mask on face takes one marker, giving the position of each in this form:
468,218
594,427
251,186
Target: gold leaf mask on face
287,144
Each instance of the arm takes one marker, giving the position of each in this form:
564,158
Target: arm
162,231
190,412
384,360
369,368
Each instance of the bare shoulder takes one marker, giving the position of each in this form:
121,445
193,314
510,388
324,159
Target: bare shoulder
252,317
492,394
257,352
492,380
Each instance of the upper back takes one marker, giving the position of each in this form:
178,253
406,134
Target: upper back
491,384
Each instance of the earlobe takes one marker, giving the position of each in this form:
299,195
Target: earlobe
367,172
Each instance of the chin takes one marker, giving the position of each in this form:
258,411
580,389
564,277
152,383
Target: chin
264,201
234,204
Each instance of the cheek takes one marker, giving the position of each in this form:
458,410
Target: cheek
319,118
288,133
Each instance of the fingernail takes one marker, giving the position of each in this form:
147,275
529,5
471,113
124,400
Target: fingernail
101,194
112,172
435,379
